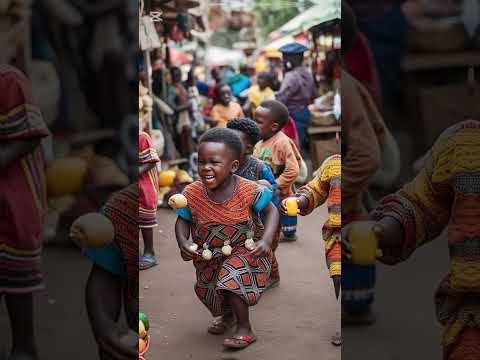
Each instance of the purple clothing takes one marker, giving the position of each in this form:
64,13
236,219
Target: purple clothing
298,89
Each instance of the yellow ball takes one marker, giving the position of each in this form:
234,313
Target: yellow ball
141,330
177,201
93,230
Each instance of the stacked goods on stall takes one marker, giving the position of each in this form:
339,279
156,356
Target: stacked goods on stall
143,337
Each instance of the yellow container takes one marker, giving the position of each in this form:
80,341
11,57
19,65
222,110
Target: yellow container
291,204
364,243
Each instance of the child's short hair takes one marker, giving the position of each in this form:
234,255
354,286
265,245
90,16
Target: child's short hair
278,110
246,126
224,136
264,75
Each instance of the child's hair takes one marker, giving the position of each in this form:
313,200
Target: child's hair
264,75
349,27
224,136
248,127
278,110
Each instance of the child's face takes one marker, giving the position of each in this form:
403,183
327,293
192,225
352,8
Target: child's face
247,148
225,95
216,164
262,82
266,123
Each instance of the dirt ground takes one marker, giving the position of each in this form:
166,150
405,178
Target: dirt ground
294,321
61,323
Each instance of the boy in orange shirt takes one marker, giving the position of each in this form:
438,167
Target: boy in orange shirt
280,152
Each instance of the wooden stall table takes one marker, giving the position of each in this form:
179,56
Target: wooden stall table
323,143
436,92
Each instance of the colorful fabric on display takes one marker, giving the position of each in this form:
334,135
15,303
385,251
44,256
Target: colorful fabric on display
282,155
147,183
446,192
23,198
223,114
213,223
326,187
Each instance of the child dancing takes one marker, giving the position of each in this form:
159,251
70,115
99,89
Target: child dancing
222,212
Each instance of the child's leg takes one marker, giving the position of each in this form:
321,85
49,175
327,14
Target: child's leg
20,311
147,234
147,260
289,227
337,284
241,311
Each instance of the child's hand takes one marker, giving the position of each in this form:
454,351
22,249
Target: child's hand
187,252
302,203
262,248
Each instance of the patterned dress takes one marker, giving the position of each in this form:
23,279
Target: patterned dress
147,182
213,223
447,193
255,169
327,187
22,189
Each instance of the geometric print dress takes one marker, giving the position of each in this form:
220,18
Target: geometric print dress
213,223
446,193
326,187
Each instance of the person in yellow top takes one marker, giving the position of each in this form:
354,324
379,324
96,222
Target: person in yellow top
326,188
261,91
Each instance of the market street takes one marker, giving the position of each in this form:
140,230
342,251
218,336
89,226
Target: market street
294,321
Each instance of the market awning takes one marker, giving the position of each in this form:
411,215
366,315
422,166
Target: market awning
217,56
325,10
272,48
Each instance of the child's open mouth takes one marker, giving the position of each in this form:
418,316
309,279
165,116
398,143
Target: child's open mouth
208,179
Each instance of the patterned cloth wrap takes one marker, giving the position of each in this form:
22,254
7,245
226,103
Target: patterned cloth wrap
23,195
213,223
447,193
326,187
147,182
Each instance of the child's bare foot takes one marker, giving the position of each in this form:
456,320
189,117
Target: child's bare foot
221,324
242,338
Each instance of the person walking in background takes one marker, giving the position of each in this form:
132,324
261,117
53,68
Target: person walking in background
298,88
23,204
148,195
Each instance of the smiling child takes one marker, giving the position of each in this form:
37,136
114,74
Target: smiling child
223,210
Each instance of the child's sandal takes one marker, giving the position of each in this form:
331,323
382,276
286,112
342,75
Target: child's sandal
239,341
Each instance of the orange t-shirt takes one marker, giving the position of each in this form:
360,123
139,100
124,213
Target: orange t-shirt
223,114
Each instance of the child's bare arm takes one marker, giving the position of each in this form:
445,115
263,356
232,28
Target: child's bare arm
104,301
272,219
182,233
12,151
